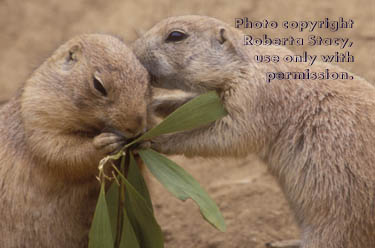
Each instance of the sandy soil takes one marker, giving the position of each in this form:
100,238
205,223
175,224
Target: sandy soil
254,207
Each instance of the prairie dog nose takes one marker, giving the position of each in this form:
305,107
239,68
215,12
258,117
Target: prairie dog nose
135,126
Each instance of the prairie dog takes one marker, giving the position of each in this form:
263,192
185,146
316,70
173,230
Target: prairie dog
316,136
80,105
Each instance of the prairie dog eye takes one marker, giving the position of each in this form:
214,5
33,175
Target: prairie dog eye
98,85
176,36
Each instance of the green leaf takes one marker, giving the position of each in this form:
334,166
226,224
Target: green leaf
198,112
136,179
100,233
112,203
182,185
139,220
128,236
142,218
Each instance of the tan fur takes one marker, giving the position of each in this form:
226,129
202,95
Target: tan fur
53,134
164,103
317,136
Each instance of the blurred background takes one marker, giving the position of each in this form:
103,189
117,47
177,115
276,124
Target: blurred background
253,205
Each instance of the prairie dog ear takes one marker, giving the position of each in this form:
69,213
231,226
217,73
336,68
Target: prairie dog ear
71,56
74,53
222,35
230,42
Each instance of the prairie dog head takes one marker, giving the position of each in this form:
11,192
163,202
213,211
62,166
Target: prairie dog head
192,53
90,83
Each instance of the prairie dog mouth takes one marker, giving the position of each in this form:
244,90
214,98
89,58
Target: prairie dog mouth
121,134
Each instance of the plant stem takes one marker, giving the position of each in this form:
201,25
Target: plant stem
121,199
125,171
124,168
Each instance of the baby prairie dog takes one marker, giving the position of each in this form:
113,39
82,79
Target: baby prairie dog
317,136
80,105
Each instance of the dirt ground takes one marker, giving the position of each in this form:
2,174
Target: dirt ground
249,197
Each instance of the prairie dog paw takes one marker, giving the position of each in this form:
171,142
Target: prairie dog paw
141,146
108,143
155,146
160,143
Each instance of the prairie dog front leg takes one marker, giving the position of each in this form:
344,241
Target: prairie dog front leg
221,138
164,105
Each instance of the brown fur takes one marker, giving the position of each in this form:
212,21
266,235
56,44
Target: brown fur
53,134
317,136
164,103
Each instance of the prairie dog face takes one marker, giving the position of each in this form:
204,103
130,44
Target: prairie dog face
192,53
91,83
